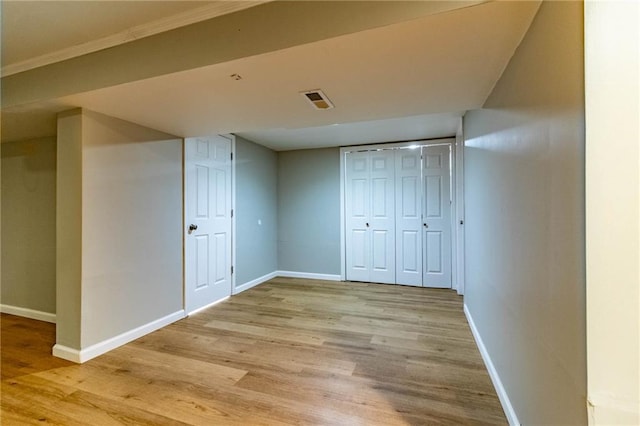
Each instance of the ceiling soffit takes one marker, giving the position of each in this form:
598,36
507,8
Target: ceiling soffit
265,28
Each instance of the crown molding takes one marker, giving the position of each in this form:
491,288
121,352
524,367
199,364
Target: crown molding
182,19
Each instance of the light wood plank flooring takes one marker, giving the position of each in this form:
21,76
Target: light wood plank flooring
289,351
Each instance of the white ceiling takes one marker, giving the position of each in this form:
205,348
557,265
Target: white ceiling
406,81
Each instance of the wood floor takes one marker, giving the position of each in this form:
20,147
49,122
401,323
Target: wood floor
288,352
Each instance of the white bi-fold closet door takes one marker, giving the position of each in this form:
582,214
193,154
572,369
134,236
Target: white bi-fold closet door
370,205
398,216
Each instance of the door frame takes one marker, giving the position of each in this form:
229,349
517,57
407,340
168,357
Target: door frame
232,139
457,200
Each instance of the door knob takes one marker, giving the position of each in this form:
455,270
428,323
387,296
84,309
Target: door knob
192,228
367,224
425,225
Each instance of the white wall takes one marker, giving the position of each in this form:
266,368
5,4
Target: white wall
130,241
29,226
524,210
612,76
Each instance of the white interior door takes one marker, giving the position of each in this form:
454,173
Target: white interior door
436,216
382,218
207,221
408,217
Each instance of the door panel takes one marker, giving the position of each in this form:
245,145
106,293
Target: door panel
202,185
357,209
437,216
434,252
359,249
370,216
381,257
383,269
433,203
207,207
408,217
379,203
360,198
202,261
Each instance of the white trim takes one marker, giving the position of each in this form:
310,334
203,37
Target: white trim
67,353
253,283
105,346
28,313
343,237
454,214
144,30
233,208
202,308
509,411
458,214
308,275
184,224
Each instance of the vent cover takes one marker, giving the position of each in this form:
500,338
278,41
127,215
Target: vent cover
318,99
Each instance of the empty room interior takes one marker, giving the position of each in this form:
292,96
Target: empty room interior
320,212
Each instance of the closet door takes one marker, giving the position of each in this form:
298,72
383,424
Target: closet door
370,216
357,211
408,217
436,216
383,218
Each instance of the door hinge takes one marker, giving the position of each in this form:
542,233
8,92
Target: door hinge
231,212
232,156
232,270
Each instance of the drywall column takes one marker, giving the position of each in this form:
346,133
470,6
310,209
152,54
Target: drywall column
119,251
69,229
612,74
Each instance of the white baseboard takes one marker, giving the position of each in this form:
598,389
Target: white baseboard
28,313
80,356
286,274
66,352
308,275
512,418
253,283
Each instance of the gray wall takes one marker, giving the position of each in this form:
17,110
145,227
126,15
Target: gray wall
309,211
256,200
130,230
524,186
29,224
69,229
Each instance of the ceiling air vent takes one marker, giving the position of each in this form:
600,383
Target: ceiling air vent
318,99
